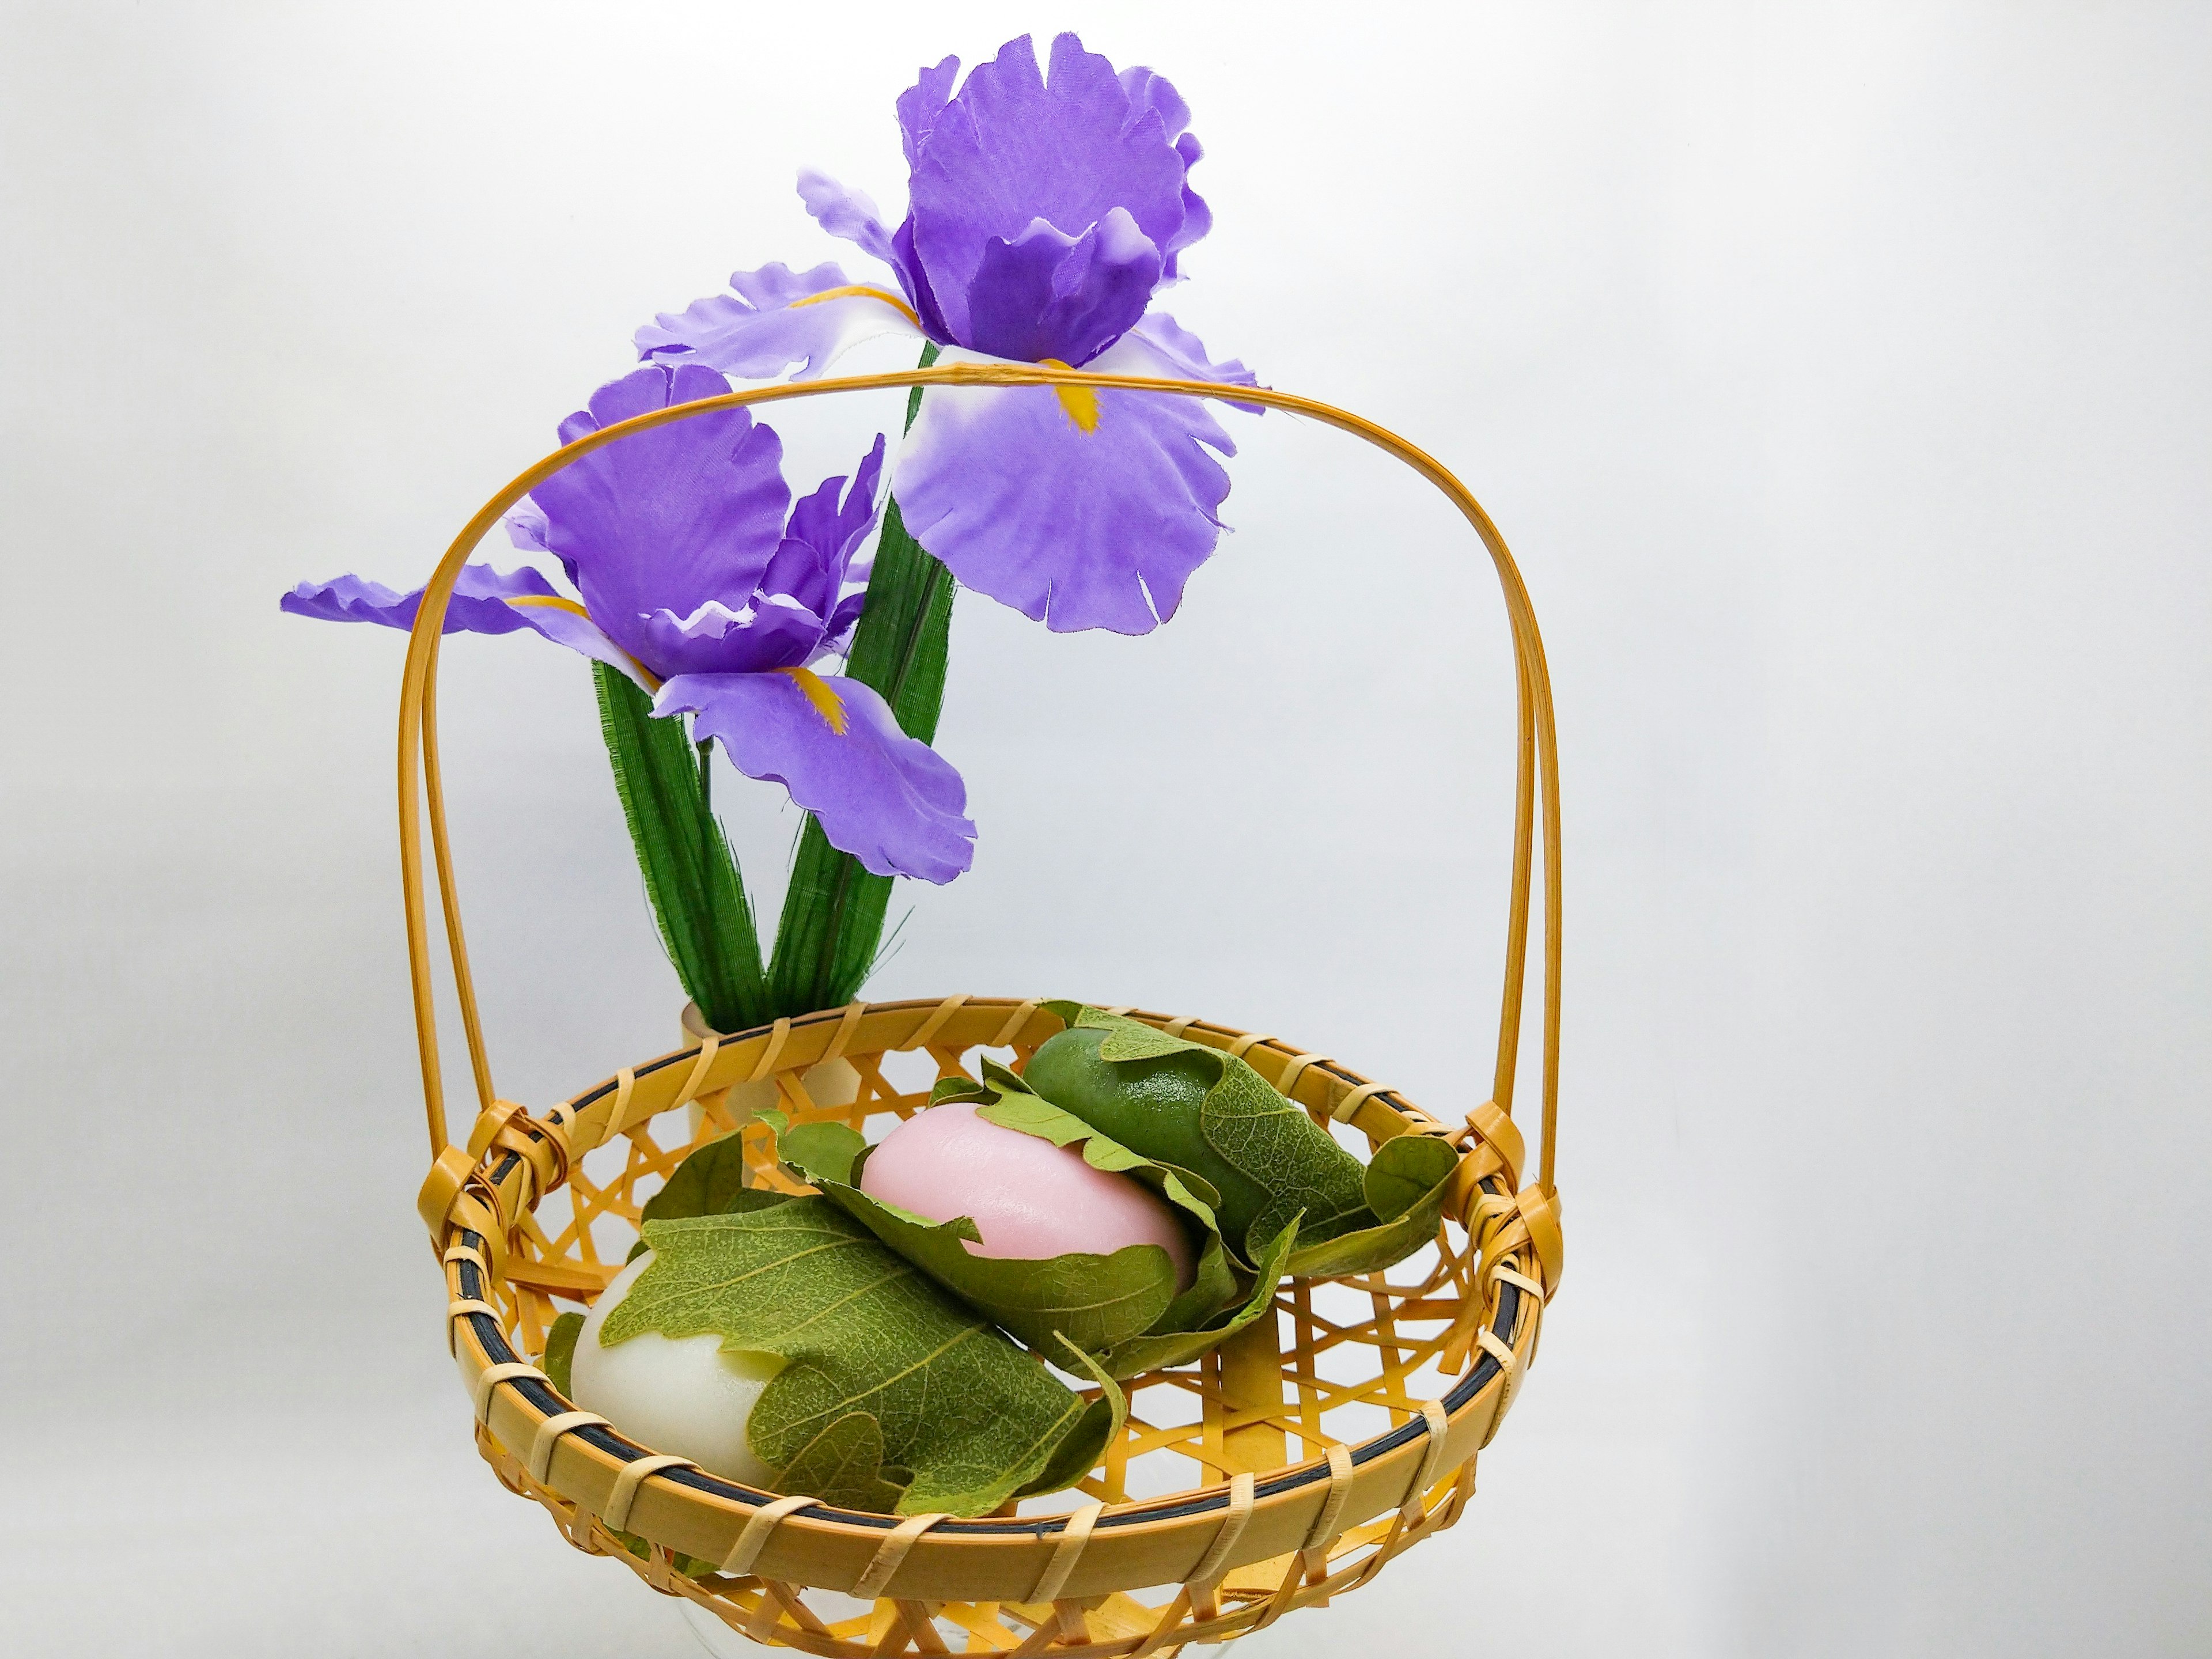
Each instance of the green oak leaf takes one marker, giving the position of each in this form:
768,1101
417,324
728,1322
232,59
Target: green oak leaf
702,1184
1098,1428
1405,1186
710,1181
1405,1169
965,1418
1205,1110
828,1148
561,1349
1157,1351
844,1465
1093,1303
1269,1159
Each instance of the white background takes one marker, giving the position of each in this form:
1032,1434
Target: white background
1840,376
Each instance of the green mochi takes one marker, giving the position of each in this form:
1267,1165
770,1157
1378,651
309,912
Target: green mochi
1208,1112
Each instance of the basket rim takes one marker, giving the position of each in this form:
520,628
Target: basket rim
490,1337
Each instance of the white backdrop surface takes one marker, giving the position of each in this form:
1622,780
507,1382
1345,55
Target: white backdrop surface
1842,377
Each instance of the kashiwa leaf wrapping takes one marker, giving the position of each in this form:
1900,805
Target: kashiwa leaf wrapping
1122,1309
711,1181
1207,1111
895,1395
560,1348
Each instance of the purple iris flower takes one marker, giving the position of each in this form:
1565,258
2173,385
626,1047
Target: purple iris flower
1044,214
703,582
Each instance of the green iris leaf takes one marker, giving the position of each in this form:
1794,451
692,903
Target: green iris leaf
691,877
832,928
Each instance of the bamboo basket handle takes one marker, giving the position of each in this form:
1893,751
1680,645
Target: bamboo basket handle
1536,765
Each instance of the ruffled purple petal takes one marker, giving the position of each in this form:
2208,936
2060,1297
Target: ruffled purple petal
833,529
526,530
771,632
478,604
584,636
670,518
1148,89
1159,345
815,561
888,799
484,601
842,621
526,526
797,573
848,215
918,290
1197,217
1076,528
1014,147
1048,294
920,105
759,331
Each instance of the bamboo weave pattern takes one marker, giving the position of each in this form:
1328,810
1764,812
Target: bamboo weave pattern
1356,1362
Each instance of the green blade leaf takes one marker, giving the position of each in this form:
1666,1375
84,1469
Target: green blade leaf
966,1418
698,897
827,942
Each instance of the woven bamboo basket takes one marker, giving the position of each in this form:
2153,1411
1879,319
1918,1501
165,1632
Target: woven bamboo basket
1287,1468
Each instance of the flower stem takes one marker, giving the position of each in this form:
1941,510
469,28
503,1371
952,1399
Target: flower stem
833,912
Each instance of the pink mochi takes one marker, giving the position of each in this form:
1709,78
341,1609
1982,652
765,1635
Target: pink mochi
1029,1199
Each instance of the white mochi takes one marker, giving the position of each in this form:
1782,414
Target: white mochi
680,1394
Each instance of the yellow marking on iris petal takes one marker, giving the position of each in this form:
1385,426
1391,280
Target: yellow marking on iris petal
856,290
819,692
555,601
1081,402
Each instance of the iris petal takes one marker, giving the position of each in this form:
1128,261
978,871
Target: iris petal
848,215
771,321
888,799
1150,90
836,530
1014,147
1045,295
484,601
1076,528
668,519
477,606
768,633
1159,345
